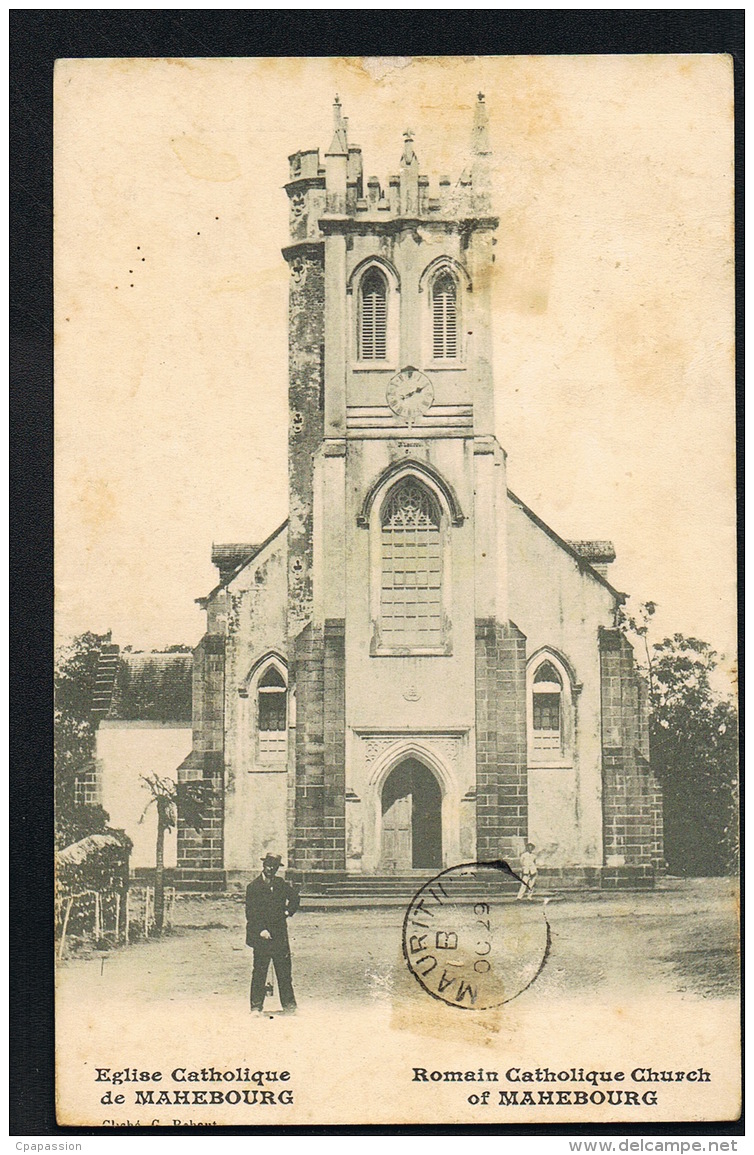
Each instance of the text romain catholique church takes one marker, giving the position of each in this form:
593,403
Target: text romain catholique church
414,670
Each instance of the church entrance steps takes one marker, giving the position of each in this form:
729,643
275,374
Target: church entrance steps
365,891
331,889
549,879
400,887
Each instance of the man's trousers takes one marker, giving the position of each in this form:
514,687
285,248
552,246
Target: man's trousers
280,956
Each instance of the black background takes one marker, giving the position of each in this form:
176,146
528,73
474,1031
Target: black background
37,38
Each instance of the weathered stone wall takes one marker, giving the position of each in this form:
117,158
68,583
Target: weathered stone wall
334,848
306,305
631,798
317,838
200,853
655,789
501,801
307,812
306,643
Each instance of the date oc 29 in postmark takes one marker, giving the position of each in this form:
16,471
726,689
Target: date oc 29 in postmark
467,943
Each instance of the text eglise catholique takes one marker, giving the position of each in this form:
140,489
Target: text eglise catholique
260,1093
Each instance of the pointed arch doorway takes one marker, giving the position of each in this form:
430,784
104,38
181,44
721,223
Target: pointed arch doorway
411,818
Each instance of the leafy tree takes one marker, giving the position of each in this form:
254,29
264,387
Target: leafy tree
75,674
694,749
693,737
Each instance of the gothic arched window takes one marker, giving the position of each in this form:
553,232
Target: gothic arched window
272,714
552,695
547,712
444,318
411,613
373,316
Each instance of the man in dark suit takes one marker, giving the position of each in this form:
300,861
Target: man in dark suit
270,901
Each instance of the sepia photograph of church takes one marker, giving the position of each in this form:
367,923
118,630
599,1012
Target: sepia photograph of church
395,535
413,670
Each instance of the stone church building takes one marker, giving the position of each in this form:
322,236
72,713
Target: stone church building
413,671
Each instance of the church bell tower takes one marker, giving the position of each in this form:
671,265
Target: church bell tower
408,678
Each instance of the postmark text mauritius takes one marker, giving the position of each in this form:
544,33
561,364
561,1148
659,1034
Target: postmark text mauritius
467,943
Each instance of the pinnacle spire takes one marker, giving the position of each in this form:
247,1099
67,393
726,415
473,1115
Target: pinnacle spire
409,157
480,136
339,146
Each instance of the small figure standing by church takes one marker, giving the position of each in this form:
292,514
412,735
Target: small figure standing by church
528,873
270,902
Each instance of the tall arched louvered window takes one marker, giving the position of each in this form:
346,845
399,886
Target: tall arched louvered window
272,714
444,318
411,549
373,317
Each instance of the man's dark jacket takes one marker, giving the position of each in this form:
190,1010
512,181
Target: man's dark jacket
267,904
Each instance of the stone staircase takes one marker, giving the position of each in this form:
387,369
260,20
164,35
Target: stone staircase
332,891
394,889
328,891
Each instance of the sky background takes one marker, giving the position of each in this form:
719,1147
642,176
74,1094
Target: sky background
613,303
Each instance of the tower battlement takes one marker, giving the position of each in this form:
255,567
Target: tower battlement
334,195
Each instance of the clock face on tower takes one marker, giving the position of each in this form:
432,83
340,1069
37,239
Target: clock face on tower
410,393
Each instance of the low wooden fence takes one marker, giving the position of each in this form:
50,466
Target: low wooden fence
111,917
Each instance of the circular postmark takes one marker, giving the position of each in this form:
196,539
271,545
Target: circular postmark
466,945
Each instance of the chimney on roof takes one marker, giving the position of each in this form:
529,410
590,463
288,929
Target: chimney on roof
599,554
227,556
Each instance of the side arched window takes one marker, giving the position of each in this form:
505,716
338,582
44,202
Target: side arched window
444,318
550,711
547,711
272,715
373,316
411,595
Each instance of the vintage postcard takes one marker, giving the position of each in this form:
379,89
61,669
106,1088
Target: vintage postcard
396,773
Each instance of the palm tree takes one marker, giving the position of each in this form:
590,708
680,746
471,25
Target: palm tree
165,797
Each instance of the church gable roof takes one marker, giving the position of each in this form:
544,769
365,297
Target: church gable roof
586,553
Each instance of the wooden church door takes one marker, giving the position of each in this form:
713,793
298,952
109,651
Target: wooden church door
411,819
397,816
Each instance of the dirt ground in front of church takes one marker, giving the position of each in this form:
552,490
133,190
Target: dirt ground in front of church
681,938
